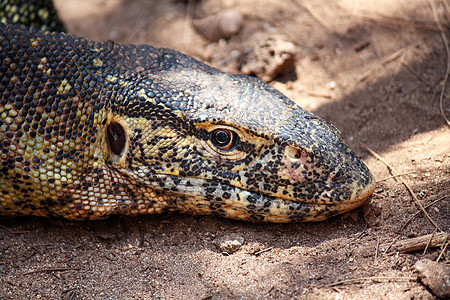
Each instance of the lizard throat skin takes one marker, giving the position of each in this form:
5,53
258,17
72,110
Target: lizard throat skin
90,129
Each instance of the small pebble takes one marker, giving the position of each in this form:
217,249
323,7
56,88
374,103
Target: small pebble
229,244
221,26
273,56
435,276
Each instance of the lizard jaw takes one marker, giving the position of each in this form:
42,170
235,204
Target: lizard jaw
206,197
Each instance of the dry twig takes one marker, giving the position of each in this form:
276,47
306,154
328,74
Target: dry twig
418,243
319,94
29,256
262,251
14,232
416,200
359,235
81,245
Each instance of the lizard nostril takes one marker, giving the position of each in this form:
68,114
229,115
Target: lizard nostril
293,153
116,138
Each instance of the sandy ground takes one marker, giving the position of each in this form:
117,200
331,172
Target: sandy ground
372,68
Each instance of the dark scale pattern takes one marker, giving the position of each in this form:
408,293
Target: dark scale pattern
39,14
91,129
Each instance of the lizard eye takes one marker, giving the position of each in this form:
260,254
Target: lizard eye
224,139
222,143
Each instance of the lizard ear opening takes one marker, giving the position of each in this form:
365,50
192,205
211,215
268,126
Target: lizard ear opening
117,139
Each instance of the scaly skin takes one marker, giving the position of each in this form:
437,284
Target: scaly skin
92,129
39,14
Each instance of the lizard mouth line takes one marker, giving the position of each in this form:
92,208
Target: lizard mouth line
203,186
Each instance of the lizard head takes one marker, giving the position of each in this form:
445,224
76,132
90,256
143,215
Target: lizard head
91,129
214,143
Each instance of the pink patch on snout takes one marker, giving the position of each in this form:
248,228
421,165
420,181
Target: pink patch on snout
293,168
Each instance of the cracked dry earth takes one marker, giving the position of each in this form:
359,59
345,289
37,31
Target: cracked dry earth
374,69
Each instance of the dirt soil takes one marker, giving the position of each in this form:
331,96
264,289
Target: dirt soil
374,69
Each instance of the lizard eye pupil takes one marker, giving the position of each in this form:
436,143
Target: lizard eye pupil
116,138
224,139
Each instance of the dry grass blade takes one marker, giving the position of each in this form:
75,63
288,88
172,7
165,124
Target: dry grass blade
377,249
388,59
318,18
187,38
395,176
447,50
430,240
52,270
416,200
395,74
376,278
391,21
415,73
417,213
443,249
